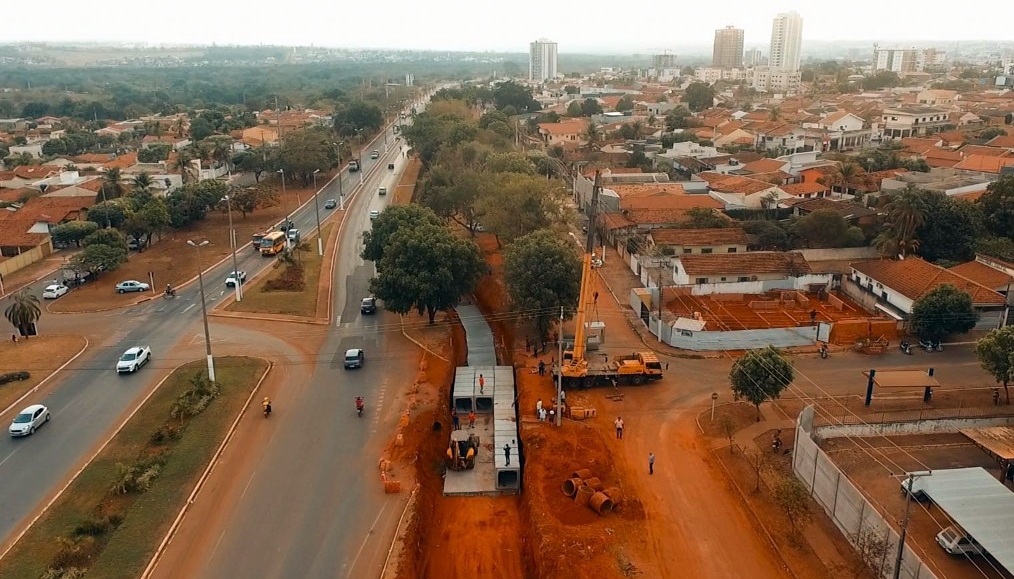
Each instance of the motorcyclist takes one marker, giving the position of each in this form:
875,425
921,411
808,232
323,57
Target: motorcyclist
169,291
360,403
267,405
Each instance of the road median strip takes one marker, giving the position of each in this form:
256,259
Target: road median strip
110,517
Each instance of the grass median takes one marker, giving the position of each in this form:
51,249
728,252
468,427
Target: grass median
111,519
289,288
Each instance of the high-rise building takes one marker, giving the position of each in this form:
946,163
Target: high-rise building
663,61
753,57
786,42
728,52
542,60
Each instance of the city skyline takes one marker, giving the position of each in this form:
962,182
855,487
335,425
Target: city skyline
455,25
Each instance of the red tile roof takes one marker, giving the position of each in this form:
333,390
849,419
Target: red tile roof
984,163
754,262
14,233
804,188
699,237
1002,141
969,150
765,166
983,274
914,278
734,183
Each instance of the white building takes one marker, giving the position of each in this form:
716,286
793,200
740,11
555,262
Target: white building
768,79
906,60
786,42
542,60
712,74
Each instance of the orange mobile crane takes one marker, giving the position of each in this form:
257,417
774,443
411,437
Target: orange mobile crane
577,371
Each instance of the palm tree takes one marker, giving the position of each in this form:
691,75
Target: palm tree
141,184
843,175
112,188
775,114
886,242
24,310
637,128
183,162
592,134
652,121
221,151
906,213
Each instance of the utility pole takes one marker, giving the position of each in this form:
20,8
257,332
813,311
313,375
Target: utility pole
559,374
661,288
904,522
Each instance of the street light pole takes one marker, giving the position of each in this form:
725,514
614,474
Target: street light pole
204,308
232,243
341,191
316,209
362,177
288,216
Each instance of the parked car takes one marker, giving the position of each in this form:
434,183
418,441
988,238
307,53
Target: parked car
369,305
374,214
383,191
331,204
28,420
54,291
133,359
235,276
354,358
132,286
374,154
956,541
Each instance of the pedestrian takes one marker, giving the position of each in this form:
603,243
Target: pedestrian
595,296
651,463
996,396
538,405
552,416
14,338
454,418
482,383
507,453
563,396
528,344
542,368
619,427
471,419
542,414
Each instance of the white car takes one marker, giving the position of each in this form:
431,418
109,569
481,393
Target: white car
132,286
29,419
233,276
54,291
374,214
133,359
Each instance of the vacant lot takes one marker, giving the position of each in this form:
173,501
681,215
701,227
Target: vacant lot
172,261
39,356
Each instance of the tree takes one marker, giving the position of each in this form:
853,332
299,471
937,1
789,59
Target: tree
704,218
769,235
452,194
942,311
997,204
677,118
996,356
110,237
23,311
574,109
200,129
248,199
759,461
513,205
390,221
184,162
823,229
760,375
590,107
426,268
73,232
97,258
107,214
154,153
592,134
542,273
906,212
307,150
357,116
1002,247
512,94
950,228
699,96
625,104
843,175
256,161
991,133
792,496
112,188
141,184
882,79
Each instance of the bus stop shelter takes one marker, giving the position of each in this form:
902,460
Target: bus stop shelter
997,442
900,380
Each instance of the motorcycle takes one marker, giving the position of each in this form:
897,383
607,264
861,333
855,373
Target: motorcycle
776,444
169,293
937,346
823,352
906,347
360,404
267,410
926,345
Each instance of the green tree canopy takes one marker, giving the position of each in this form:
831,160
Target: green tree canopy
390,221
427,269
825,228
625,104
997,204
704,218
760,375
770,236
110,237
677,118
23,311
996,355
699,96
590,107
357,116
512,94
73,232
950,228
943,311
542,272
307,150
513,205
574,109
107,214
98,258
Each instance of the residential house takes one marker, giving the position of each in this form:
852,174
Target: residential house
699,241
33,150
13,125
752,272
1002,142
985,164
806,189
852,213
778,136
936,97
913,121
24,233
893,287
738,192
175,143
731,133
949,181
992,272
259,136
963,119
566,133
838,131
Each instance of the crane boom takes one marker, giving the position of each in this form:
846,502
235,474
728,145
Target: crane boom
574,359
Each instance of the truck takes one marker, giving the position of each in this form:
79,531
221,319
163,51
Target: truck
575,370
353,165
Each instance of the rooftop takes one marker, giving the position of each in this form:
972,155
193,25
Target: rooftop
699,237
982,274
914,278
754,262
734,183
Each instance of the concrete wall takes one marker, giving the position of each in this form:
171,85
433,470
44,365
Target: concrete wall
10,265
761,286
914,427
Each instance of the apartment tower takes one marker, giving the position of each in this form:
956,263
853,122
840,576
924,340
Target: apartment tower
786,42
728,52
542,60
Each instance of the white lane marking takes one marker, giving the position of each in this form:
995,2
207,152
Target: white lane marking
247,487
338,321
373,527
187,309
8,457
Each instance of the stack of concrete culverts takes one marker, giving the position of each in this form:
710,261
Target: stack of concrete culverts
587,490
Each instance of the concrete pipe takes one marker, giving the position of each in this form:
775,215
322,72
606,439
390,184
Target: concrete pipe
600,503
614,493
594,483
571,485
584,495
581,474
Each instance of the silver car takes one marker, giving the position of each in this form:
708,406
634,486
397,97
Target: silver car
29,419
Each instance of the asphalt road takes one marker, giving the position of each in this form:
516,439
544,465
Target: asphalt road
92,399
314,506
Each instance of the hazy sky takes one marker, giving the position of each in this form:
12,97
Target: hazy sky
577,25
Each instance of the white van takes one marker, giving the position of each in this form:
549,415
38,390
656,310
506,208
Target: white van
956,541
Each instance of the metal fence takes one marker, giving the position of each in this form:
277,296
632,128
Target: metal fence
854,516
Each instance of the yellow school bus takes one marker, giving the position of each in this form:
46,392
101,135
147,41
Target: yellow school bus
273,243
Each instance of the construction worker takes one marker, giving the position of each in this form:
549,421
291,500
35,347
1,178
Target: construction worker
471,419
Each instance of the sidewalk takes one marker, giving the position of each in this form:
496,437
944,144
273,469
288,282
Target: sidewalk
46,269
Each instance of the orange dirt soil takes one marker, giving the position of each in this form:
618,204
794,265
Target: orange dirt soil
686,520
761,311
172,261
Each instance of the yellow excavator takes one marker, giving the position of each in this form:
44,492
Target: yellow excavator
462,450
636,368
